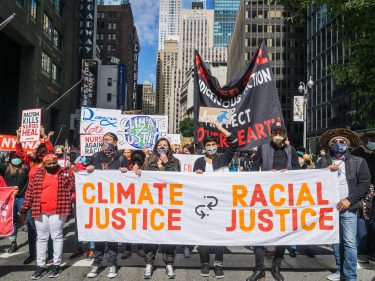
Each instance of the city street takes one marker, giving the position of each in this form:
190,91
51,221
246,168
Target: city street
238,262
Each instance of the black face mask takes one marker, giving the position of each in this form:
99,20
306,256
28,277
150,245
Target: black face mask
52,170
60,155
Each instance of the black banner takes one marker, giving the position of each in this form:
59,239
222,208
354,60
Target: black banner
87,30
252,96
89,74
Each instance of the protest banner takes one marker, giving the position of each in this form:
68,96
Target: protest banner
252,97
90,144
231,209
6,210
187,161
30,125
174,138
98,121
298,108
212,114
8,143
141,131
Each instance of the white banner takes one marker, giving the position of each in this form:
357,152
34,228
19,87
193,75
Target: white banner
230,209
30,125
298,108
187,161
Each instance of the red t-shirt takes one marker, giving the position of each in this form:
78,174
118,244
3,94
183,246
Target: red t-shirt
48,201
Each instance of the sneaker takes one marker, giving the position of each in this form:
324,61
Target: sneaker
205,270
126,254
55,271
335,276
77,253
13,247
141,253
170,272
308,252
219,273
187,253
112,272
93,272
29,260
292,252
90,254
148,271
38,273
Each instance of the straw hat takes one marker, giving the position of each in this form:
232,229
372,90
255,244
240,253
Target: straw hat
349,136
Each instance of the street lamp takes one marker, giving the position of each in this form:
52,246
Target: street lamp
304,89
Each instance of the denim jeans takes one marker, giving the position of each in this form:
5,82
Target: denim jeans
17,208
361,236
346,252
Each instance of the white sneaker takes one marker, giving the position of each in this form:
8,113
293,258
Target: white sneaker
335,276
93,272
170,272
112,272
148,271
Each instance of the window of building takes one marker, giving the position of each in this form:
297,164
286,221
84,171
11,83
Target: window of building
56,73
57,40
34,9
58,7
46,63
47,24
109,97
100,24
109,82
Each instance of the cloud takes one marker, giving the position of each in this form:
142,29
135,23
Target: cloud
146,18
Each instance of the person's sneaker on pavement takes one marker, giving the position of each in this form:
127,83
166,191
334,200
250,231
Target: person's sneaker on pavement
29,260
308,252
205,270
187,253
292,252
335,276
112,272
93,272
148,271
170,271
77,253
126,254
55,271
141,253
219,272
38,273
13,247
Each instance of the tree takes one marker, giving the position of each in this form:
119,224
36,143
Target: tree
355,22
187,127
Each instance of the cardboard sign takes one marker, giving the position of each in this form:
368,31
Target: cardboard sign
174,138
231,209
90,144
298,108
8,143
211,115
30,125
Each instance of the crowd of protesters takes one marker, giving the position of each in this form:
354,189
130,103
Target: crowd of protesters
45,196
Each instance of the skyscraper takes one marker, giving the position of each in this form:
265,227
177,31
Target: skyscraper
225,20
169,18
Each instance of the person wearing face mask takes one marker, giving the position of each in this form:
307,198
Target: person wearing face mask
109,158
161,159
366,230
214,162
15,173
61,158
49,197
274,156
354,181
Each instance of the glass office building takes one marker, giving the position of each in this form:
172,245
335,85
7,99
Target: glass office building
225,20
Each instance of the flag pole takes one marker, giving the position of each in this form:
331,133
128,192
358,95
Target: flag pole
63,95
6,21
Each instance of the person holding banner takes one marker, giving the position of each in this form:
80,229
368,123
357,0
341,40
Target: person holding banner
49,196
109,158
354,182
213,162
15,173
274,156
161,159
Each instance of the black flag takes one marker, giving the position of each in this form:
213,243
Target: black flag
252,97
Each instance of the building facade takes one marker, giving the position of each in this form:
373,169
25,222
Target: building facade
39,61
169,20
148,99
261,20
225,19
118,42
107,87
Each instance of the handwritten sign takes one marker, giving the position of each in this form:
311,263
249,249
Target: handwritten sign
98,121
174,138
233,209
30,125
211,115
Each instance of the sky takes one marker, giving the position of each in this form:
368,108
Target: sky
146,17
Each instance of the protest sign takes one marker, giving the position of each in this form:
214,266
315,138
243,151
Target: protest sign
233,209
174,138
141,131
187,161
90,144
212,115
98,121
6,210
298,108
30,125
252,97
8,143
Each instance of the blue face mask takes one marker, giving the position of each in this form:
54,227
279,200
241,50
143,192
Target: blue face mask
339,148
370,145
16,161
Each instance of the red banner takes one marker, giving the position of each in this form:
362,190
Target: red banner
6,210
8,143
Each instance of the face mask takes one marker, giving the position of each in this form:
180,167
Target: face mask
339,148
16,161
162,150
277,140
108,148
370,145
52,170
60,155
211,150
